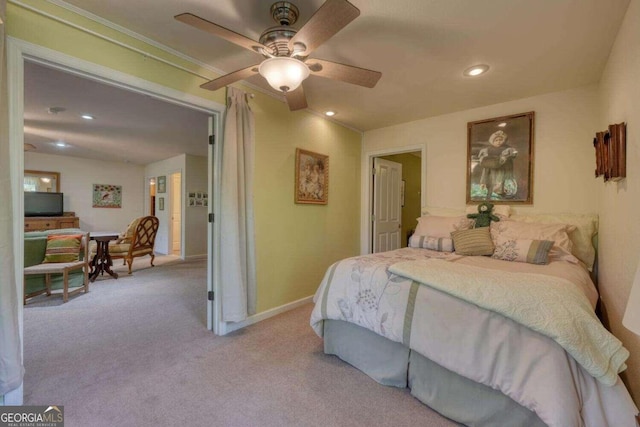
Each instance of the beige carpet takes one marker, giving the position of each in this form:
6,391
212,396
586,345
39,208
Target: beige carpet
135,352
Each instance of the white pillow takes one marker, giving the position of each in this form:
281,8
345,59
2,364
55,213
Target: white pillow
523,250
442,226
586,228
440,244
558,233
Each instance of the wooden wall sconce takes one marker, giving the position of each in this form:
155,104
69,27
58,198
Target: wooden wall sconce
611,152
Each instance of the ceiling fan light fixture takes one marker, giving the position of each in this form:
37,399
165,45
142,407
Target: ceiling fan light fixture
283,73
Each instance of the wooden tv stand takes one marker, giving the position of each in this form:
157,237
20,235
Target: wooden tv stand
40,223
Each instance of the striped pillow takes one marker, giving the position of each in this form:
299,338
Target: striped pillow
476,241
63,248
523,250
440,244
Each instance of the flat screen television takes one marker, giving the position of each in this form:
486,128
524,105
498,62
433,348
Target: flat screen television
38,203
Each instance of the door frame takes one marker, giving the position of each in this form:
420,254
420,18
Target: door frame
19,51
366,187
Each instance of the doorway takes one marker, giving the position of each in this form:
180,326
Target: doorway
392,197
17,53
152,196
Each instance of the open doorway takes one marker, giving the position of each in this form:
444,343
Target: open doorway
409,192
393,197
152,196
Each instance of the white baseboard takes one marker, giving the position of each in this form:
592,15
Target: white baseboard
234,326
195,257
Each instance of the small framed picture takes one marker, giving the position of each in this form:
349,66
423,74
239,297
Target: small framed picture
311,177
161,203
192,201
162,184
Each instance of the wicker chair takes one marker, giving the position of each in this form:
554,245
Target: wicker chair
141,244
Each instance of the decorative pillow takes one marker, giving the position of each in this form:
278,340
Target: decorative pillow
502,211
440,244
581,238
523,250
476,241
63,248
442,226
558,233
127,235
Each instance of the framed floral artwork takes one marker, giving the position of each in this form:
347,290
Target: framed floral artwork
311,178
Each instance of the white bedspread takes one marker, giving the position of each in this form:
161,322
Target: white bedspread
527,366
553,306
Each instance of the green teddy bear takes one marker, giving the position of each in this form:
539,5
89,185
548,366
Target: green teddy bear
484,216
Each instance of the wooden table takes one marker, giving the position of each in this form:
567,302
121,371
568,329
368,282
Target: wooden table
101,261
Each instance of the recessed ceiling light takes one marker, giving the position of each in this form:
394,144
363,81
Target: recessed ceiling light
503,124
61,144
330,113
476,70
87,117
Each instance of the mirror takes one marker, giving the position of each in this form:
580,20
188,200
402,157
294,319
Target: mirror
48,182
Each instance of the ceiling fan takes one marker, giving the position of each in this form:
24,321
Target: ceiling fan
287,50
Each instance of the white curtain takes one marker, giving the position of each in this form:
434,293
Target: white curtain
237,253
11,369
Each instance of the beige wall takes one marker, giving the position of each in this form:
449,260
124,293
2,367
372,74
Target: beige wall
196,170
564,159
619,240
77,177
294,243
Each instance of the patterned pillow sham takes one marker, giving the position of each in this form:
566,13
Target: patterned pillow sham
63,248
442,226
473,242
558,233
440,244
523,250
581,238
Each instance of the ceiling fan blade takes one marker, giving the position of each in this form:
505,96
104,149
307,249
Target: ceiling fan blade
332,16
345,73
217,30
227,79
296,99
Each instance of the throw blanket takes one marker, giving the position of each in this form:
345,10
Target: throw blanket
549,305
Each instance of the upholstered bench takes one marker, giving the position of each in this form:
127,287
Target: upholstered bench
41,277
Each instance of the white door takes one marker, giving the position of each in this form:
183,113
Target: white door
176,213
387,209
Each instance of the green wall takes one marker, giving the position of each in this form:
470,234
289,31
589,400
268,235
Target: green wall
411,169
294,243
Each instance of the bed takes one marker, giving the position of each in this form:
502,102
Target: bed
507,339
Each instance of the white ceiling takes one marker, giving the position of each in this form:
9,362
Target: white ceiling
420,46
128,127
